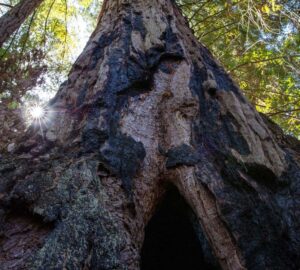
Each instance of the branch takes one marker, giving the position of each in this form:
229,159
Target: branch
198,9
262,60
218,28
6,5
46,21
188,4
284,111
66,27
28,32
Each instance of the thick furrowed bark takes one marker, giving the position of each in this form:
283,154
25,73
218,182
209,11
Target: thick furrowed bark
13,19
145,105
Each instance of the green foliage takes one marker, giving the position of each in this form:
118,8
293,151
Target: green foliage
258,42
46,43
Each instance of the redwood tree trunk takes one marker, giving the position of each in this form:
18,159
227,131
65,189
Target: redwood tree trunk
146,106
13,19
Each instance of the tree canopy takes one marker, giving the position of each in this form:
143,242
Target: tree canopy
258,43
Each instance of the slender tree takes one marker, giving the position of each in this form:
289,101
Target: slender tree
146,106
13,19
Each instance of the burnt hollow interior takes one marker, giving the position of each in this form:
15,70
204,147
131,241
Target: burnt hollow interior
171,241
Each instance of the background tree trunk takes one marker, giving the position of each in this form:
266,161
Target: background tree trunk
145,107
13,19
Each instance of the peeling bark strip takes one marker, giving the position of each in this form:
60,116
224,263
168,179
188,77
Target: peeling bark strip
13,19
145,104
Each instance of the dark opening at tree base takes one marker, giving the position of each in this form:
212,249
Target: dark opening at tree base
171,241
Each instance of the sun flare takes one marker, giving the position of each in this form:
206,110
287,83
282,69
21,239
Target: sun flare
37,112
38,115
